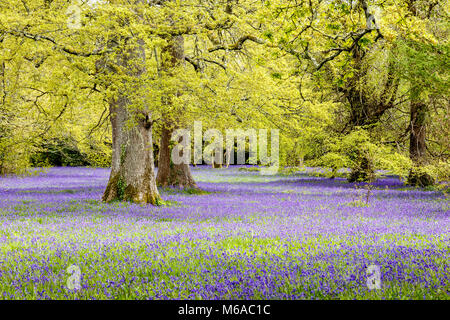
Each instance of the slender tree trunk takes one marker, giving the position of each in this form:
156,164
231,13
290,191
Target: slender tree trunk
170,174
228,157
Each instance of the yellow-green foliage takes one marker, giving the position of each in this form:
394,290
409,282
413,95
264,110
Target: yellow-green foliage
345,151
248,64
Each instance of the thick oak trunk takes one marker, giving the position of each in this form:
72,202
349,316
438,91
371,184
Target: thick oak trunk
132,174
367,111
417,145
170,174
364,109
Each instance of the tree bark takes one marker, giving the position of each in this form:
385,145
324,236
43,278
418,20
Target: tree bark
417,145
364,110
367,111
170,174
132,175
215,165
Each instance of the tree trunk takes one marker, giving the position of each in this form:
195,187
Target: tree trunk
417,147
216,165
364,110
367,111
132,175
170,174
228,157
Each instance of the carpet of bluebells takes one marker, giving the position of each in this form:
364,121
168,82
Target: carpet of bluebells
248,236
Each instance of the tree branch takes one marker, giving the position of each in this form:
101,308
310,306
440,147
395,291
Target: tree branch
37,37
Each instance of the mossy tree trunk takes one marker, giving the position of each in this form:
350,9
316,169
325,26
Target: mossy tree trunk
367,110
132,175
417,143
417,146
170,174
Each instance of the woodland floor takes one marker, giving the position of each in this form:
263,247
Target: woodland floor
247,237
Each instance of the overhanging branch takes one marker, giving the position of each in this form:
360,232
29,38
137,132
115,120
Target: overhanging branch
38,37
